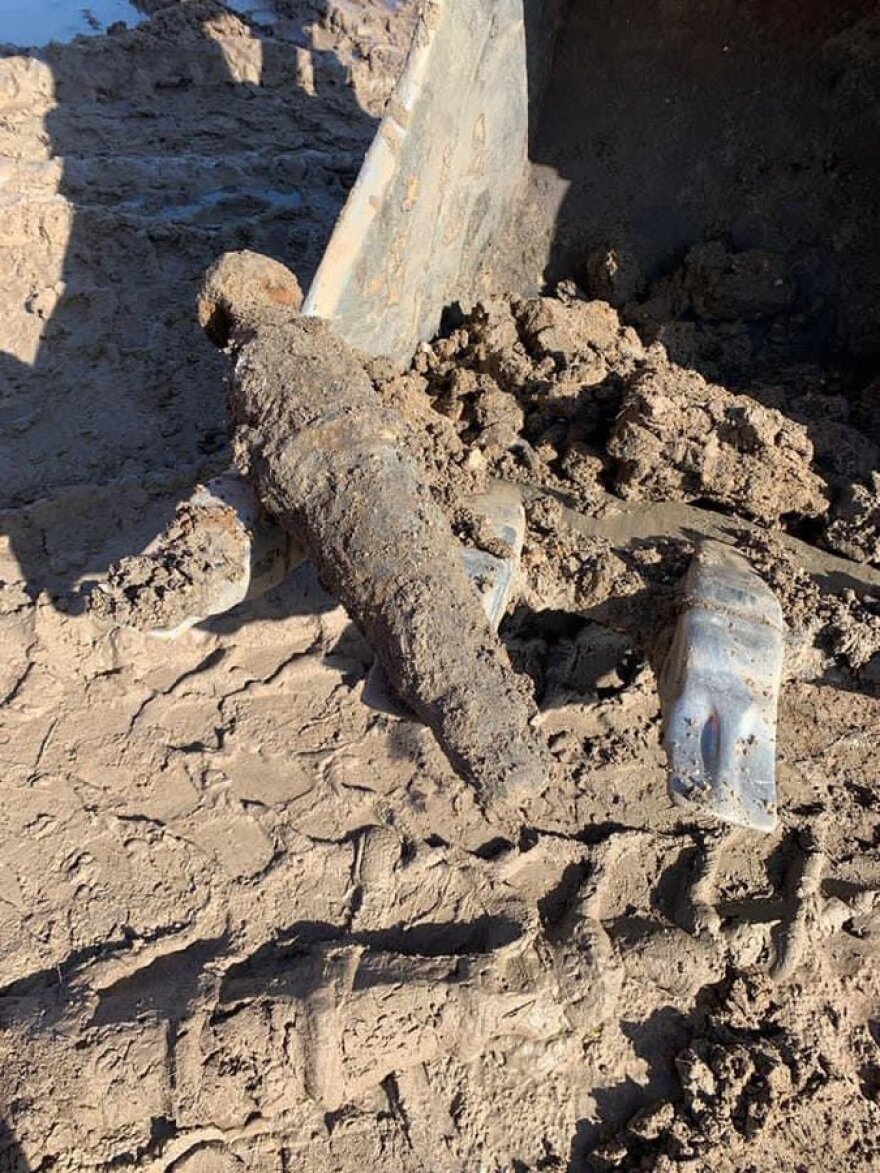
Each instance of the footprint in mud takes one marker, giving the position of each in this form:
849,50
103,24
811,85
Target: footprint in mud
586,962
776,921
369,999
395,988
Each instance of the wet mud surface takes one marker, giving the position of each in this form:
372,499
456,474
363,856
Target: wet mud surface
250,922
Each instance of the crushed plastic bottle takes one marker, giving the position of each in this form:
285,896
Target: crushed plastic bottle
720,688
493,575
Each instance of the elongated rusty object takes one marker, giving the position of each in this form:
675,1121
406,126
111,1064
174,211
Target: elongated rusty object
329,462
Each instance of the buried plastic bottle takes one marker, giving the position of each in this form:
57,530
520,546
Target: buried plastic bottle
720,690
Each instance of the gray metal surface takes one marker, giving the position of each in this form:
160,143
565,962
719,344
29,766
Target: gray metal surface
438,183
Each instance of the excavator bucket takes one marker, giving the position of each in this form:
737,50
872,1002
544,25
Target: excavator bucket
526,135
438,184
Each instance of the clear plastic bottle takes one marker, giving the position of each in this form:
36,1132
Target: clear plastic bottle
720,689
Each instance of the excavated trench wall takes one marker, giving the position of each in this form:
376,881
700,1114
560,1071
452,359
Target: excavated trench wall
667,123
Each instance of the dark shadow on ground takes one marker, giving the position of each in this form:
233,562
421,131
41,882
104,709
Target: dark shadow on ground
167,986
12,1159
656,1040
665,126
165,145
672,124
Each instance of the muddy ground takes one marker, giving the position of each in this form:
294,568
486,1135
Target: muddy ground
247,921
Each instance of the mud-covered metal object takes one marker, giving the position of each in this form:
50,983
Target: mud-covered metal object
720,689
492,575
219,550
330,463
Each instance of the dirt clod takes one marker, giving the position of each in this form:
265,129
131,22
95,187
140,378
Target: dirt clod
854,529
679,437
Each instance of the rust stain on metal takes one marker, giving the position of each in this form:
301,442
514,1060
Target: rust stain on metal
411,194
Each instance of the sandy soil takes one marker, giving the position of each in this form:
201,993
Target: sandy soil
247,921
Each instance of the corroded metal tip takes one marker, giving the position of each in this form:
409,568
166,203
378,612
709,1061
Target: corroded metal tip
237,290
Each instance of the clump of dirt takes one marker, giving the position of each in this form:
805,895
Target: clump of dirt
549,387
454,469
630,589
680,438
531,386
731,317
843,625
854,529
756,1065
555,392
